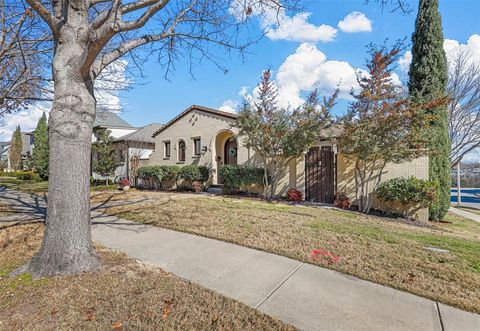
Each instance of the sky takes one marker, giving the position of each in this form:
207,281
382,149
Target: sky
321,46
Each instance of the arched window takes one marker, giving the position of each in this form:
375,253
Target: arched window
181,151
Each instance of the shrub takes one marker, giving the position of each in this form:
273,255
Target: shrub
170,172
294,195
342,201
408,192
235,177
124,182
28,175
197,186
151,174
193,173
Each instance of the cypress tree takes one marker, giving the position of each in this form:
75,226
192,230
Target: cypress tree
15,153
40,151
105,162
428,80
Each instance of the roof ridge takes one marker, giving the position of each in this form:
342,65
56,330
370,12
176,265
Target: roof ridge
188,110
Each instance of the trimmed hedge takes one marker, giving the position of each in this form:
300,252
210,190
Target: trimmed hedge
195,173
235,177
155,175
10,173
22,175
408,192
170,172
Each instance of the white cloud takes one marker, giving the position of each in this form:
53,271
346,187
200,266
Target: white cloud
109,84
297,28
279,26
451,47
243,91
27,119
355,22
229,106
107,93
473,156
404,62
308,68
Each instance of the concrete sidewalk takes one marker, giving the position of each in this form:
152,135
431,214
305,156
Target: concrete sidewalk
468,215
303,295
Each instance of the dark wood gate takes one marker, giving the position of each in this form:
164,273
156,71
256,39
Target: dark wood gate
320,175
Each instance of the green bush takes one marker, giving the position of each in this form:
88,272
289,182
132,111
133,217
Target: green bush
28,175
10,173
193,172
151,174
408,192
235,177
156,176
170,172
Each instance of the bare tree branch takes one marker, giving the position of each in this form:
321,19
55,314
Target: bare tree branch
52,21
464,108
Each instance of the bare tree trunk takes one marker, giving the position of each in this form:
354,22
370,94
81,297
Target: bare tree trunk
67,245
265,178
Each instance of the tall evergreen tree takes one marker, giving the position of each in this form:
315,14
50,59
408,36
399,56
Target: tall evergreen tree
105,162
428,80
40,151
15,153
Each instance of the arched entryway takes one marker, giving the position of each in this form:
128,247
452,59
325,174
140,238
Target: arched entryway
226,150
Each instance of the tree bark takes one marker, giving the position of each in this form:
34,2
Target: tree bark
67,244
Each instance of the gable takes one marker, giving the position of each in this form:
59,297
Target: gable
200,110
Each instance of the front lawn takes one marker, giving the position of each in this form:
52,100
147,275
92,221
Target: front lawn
24,185
373,248
124,295
30,186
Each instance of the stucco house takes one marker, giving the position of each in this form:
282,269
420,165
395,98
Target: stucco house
205,136
27,149
128,141
4,155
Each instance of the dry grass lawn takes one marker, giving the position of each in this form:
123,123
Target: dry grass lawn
373,248
125,295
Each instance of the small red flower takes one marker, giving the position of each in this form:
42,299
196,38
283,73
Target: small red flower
317,255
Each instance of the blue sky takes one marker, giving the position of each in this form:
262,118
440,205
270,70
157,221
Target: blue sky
302,55
154,99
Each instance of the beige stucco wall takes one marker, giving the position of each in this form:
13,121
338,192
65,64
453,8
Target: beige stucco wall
196,124
417,168
214,130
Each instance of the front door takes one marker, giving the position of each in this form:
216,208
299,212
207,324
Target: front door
320,175
230,152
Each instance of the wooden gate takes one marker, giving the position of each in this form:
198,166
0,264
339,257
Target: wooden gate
320,175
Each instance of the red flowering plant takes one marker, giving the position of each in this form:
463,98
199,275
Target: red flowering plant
324,256
294,195
342,201
124,182
197,186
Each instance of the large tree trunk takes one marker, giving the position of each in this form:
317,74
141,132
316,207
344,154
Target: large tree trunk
67,244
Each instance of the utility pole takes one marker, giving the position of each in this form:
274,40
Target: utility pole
459,193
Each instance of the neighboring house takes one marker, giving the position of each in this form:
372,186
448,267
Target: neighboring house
128,141
205,136
4,155
27,149
136,145
118,127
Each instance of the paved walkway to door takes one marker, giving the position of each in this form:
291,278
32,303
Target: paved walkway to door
303,295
